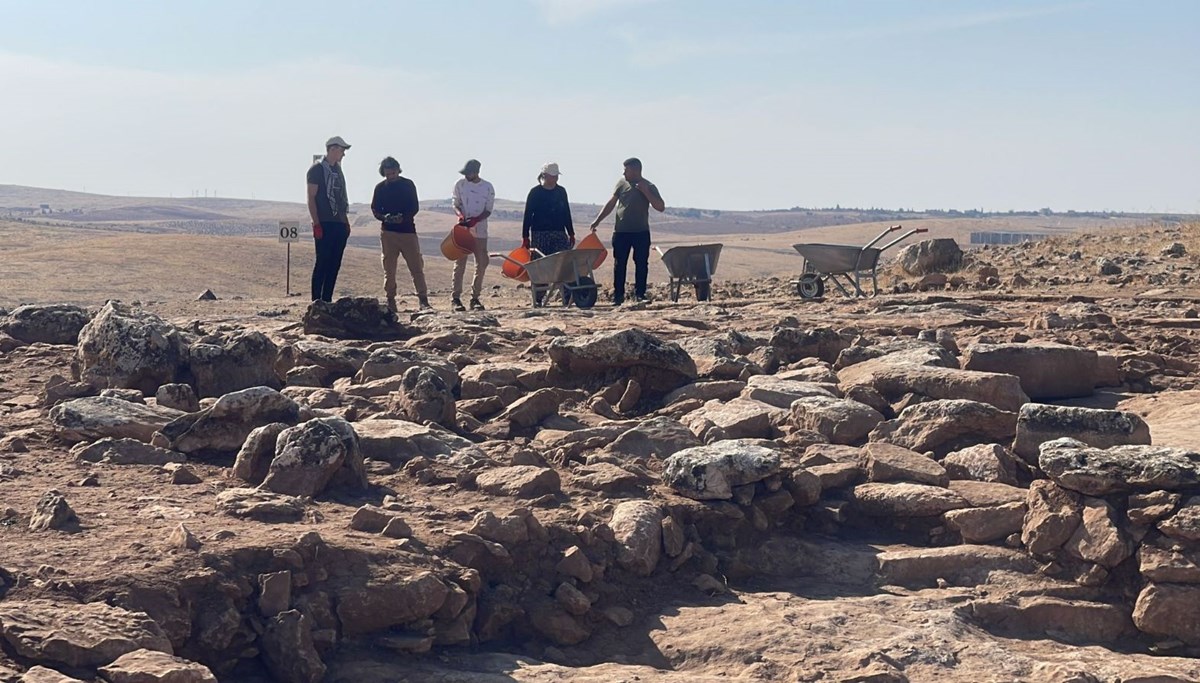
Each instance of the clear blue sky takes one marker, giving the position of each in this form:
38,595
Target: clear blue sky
746,105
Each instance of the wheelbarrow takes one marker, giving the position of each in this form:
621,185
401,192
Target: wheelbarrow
847,267
569,270
693,265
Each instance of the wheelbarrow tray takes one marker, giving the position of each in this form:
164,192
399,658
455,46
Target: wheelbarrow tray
837,258
690,264
561,267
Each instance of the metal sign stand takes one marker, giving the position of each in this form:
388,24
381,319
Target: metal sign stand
289,231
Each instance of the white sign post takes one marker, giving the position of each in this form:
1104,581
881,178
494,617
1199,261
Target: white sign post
289,231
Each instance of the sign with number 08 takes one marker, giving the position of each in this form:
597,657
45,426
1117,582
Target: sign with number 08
289,231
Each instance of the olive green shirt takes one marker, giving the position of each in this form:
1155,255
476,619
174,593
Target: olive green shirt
633,208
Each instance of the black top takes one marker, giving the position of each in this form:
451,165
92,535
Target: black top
338,210
397,196
547,211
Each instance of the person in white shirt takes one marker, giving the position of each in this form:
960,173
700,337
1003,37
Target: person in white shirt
473,201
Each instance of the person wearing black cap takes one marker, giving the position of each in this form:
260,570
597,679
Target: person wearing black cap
329,208
632,198
395,204
474,198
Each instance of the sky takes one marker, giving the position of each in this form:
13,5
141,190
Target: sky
921,104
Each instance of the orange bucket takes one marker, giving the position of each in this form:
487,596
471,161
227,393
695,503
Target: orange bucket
593,242
514,271
459,243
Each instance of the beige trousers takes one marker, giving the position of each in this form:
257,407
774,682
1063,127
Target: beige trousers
481,264
396,244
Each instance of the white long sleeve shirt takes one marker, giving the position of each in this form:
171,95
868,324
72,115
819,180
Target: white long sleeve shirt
473,199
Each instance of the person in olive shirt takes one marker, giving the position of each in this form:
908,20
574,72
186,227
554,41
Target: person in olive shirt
633,197
394,204
329,210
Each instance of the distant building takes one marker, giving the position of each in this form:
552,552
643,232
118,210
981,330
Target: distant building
45,209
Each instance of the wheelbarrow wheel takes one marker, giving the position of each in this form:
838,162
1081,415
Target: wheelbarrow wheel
585,293
703,291
810,286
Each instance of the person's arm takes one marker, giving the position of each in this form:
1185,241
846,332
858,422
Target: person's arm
650,191
488,204
527,219
312,210
567,208
377,204
414,204
612,204
458,202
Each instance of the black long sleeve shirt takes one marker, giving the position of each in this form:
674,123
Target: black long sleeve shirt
396,196
547,211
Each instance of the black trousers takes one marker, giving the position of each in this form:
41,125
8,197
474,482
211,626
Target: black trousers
330,248
623,243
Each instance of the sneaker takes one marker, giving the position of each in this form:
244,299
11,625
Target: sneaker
475,304
456,304
423,302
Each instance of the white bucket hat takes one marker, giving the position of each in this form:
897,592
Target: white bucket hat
550,169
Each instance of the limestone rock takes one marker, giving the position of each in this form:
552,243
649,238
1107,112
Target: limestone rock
224,426
1184,525
128,348
710,472
357,317
97,417
1053,516
658,365
398,441
985,525
152,666
288,649
393,362
905,500
244,360
792,344
894,379
262,506
657,437
254,457
722,390
637,528
529,410
1038,423
45,324
1098,539
1074,620
1169,611
77,635
1168,566
958,564
840,420
125,452
886,462
310,456
424,397
1047,371
519,481
389,600
52,512
177,396
740,418
1098,472
982,462
941,255
946,425
773,391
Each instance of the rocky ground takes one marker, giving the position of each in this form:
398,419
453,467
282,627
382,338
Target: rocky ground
989,473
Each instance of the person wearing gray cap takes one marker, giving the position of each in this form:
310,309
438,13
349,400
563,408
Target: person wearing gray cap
329,208
474,198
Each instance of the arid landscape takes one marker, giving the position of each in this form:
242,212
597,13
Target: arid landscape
990,472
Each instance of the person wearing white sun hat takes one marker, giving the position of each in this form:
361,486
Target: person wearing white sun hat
547,225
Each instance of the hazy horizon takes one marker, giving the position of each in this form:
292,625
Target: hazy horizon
902,104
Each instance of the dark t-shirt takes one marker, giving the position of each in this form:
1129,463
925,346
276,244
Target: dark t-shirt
547,210
633,209
396,196
338,210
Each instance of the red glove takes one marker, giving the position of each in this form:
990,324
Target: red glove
572,238
318,233
472,222
525,242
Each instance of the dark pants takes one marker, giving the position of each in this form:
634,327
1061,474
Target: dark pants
623,242
329,259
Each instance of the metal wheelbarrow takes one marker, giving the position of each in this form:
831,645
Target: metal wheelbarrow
847,267
693,265
570,270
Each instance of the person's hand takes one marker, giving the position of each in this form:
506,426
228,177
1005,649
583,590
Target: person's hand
593,227
525,242
571,238
347,230
318,233
471,222
594,224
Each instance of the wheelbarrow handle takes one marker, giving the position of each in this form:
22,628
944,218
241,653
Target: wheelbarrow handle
661,253
496,254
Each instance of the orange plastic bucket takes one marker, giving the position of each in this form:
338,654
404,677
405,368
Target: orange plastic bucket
463,238
451,250
514,271
593,242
